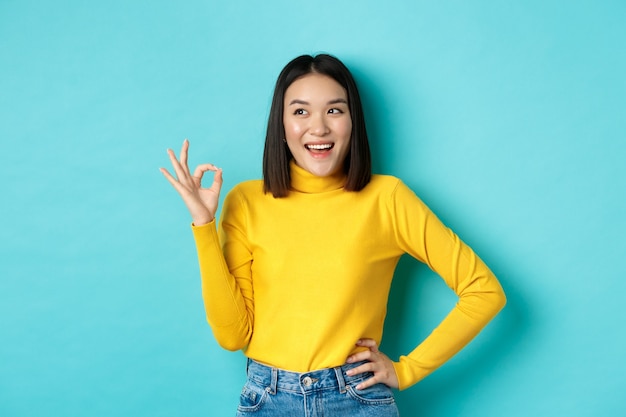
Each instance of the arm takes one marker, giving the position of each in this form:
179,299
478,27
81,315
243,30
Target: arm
227,294
227,304
481,297
420,233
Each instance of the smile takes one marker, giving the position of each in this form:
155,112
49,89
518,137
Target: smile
320,146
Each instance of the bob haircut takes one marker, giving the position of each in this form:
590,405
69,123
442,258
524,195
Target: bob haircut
276,156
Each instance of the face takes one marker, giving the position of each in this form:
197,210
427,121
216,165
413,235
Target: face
317,124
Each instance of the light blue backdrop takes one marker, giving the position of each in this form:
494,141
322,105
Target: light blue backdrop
507,118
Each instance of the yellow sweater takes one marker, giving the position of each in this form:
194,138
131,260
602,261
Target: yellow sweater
296,281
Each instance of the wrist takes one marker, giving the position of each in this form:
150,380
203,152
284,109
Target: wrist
201,221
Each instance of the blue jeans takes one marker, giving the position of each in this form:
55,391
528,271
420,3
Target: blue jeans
327,392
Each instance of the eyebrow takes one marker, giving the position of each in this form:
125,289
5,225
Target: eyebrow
335,101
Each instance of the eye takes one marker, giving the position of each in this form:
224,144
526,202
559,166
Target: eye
300,112
335,111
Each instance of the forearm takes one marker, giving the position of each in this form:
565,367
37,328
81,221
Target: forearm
224,298
461,325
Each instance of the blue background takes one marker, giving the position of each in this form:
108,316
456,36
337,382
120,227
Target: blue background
507,118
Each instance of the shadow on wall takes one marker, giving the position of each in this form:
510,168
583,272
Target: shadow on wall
377,101
419,299
411,293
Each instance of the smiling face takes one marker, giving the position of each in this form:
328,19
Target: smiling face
317,124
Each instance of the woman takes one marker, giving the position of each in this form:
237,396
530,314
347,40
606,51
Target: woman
298,272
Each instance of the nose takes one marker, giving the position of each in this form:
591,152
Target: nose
318,126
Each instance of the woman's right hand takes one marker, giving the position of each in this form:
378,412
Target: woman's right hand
201,202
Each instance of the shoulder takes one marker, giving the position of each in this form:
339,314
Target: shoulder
250,187
393,190
380,180
384,184
244,192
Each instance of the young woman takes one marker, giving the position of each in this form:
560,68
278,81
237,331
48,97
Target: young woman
299,270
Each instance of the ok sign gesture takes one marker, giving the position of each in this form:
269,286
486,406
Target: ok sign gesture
201,202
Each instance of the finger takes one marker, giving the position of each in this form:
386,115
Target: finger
184,153
382,374
217,181
365,355
361,369
199,172
178,169
170,178
367,383
202,168
368,343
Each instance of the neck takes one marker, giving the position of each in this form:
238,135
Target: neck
305,182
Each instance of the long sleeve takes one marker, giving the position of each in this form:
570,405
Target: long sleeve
295,281
227,293
421,234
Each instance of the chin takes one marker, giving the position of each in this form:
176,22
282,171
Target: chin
323,171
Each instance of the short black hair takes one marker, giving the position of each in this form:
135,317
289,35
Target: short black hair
276,156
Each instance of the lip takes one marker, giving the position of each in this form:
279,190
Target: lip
319,146
319,150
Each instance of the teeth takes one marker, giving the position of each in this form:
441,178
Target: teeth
320,147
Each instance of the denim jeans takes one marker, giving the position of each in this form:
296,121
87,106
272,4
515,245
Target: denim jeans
327,392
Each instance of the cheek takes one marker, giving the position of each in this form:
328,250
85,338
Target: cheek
292,130
345,129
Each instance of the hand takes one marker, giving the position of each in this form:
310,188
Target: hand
377,362
201,202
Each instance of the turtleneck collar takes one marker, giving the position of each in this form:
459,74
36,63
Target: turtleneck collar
305,182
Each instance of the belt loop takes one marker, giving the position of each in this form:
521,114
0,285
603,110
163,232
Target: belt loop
274,381
341,382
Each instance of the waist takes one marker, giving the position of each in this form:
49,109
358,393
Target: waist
330,378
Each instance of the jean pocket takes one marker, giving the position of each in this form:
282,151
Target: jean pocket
379,394
252,397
